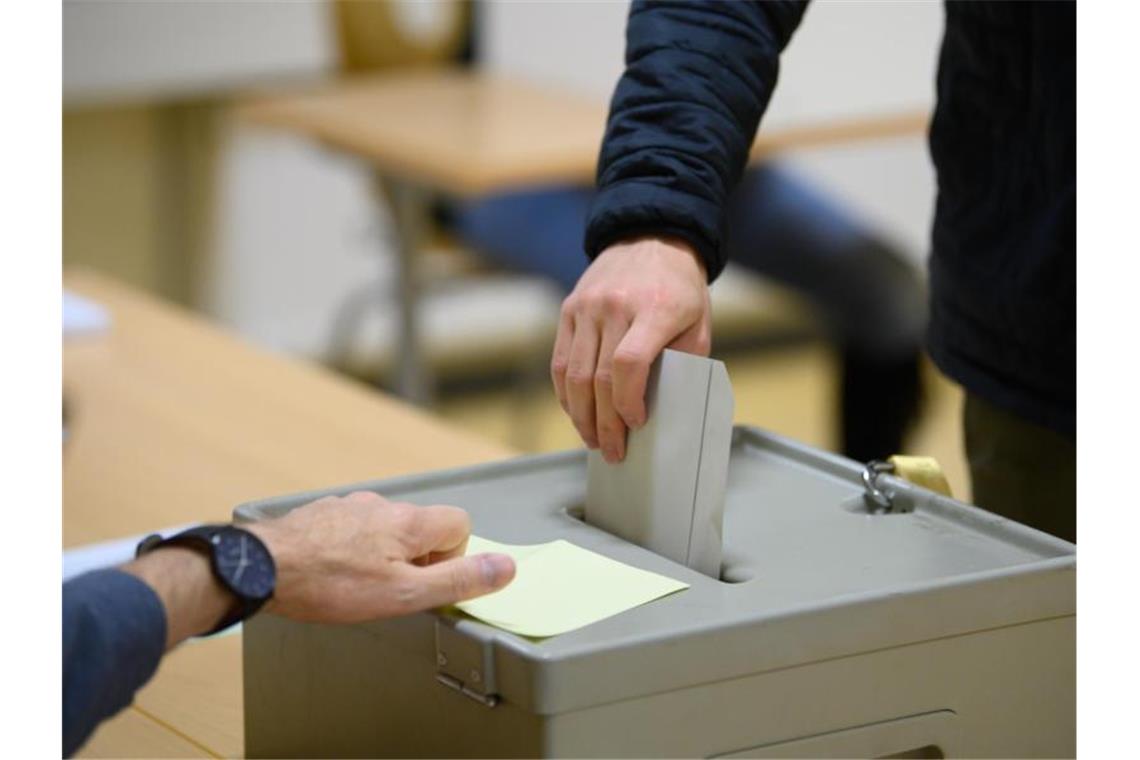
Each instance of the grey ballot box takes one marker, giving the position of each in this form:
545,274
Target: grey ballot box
937,629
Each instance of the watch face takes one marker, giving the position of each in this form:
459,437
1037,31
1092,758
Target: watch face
244,562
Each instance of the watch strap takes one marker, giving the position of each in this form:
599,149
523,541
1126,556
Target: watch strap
201,538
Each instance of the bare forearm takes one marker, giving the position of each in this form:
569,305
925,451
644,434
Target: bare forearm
193,598
336,560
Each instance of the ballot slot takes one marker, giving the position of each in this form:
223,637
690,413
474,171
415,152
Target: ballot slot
732,570
668,494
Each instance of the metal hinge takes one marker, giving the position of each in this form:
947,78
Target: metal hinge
465,662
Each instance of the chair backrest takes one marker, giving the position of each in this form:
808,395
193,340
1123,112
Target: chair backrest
385,34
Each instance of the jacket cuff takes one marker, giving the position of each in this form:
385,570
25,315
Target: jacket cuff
114,634
634,209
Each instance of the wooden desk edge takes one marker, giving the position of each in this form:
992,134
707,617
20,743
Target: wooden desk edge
275,110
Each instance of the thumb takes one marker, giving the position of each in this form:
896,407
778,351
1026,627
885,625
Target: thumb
461,578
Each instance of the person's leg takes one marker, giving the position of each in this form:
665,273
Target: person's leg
538,231
1020,470
869,296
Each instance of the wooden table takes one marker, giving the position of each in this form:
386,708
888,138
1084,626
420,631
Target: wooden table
173,421
459,132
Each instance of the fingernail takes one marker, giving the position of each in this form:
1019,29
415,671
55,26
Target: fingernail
611,456
497,569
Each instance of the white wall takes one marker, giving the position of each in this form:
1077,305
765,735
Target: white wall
576,45
852,58
862,58
117,50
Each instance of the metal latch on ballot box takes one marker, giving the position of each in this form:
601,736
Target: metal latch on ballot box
924,472
465,661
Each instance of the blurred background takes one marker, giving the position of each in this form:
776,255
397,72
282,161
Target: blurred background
181,179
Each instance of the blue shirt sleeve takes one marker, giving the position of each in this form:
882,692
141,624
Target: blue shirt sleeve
114,634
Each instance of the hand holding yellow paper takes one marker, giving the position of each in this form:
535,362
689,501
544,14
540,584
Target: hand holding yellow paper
559,586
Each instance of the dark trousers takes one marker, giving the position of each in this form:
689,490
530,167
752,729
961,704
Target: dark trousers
1020,470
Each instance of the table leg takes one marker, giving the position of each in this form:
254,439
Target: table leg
409,207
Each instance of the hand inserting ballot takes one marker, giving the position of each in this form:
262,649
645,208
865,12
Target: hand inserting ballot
635,300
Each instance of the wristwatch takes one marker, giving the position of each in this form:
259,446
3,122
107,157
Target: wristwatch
238,559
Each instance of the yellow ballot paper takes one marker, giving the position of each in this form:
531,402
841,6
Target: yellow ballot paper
560,586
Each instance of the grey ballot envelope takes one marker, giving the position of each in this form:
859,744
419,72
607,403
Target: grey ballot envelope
668,494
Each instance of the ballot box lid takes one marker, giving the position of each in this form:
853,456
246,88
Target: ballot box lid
810,572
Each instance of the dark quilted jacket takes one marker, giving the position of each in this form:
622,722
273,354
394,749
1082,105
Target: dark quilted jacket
1002,268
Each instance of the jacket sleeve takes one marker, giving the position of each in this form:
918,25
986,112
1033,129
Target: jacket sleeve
114,634
698,78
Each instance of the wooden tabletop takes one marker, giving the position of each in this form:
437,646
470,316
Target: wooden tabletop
172,421
466,133
450,130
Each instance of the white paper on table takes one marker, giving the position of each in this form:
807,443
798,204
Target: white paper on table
82,316
82,559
